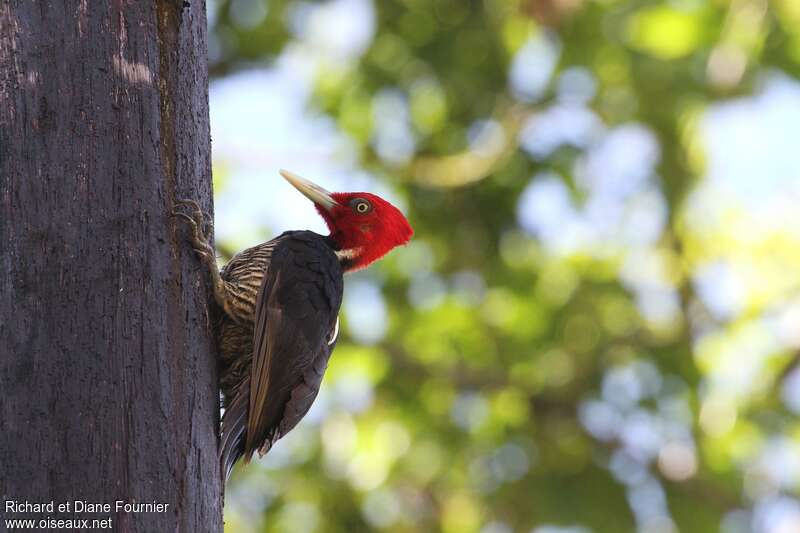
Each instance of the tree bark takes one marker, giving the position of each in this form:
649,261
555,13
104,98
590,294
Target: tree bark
108,387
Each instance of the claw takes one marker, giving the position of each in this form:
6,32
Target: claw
191,203
191,220
201,227
196,223
197,212
198,215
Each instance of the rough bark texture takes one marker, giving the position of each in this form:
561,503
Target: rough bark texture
107,375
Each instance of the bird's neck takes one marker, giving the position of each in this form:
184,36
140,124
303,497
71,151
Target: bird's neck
349,259
356,254
349,256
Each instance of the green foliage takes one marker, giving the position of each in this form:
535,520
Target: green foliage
520,383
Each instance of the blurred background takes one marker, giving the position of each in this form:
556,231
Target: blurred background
596,327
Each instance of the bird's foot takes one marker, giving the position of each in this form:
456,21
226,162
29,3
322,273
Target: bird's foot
200,226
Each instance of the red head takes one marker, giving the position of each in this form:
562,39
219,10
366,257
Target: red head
363,226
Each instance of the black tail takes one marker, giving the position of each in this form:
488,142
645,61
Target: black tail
234,430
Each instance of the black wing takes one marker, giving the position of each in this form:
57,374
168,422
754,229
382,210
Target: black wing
296,312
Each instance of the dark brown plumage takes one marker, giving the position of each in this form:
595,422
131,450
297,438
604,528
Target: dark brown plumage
275,338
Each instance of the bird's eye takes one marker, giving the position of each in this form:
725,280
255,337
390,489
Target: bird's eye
361,206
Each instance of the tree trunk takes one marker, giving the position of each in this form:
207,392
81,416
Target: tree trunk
108,387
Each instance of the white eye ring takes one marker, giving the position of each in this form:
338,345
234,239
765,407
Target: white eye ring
360,206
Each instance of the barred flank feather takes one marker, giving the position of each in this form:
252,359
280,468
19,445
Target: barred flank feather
243,276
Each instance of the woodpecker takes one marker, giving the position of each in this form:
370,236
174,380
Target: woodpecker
280,304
